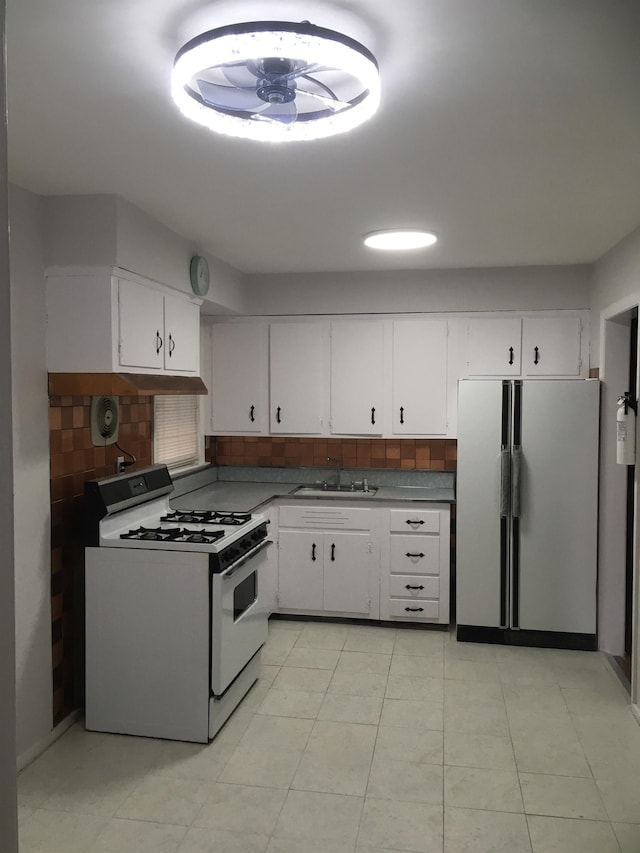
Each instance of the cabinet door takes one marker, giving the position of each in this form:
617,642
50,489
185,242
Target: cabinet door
420,377
182,335
551,346
298,376
494,347
356,378
238,377
300,575
346,572
141,326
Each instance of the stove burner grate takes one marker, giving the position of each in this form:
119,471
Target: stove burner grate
207,517
173,534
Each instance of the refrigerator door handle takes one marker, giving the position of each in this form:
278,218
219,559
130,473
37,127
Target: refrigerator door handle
516,481
505,482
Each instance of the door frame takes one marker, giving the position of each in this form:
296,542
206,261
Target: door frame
614,373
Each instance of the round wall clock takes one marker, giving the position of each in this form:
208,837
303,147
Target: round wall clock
199,275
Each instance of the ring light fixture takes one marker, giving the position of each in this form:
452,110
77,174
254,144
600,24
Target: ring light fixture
276,81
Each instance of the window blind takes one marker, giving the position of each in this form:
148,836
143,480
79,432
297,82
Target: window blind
176,434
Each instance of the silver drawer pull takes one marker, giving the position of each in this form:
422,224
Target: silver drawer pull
408,586
414,609
409,554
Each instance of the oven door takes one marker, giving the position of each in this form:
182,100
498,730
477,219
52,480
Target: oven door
238,615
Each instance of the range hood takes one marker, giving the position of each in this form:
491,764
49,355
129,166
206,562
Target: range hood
123,384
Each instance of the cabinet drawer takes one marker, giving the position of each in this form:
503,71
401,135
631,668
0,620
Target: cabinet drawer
415,555
325,517
407,608
415,521
412,586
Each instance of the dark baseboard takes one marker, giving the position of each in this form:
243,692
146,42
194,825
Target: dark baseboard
540,639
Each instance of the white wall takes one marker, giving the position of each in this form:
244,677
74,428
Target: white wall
616,290
516,288
30,470
612,555
149,248
80,229
616,278
8,804
106,230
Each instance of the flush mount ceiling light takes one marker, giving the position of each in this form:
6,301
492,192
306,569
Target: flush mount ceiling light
399,240
276,81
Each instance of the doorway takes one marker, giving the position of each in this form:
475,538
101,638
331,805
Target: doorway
624,660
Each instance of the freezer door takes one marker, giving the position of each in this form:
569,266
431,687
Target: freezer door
480,496
558,506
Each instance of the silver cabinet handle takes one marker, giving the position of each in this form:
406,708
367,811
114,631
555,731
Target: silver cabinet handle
516,482
505,482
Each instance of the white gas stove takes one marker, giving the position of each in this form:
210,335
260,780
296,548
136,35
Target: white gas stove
174,616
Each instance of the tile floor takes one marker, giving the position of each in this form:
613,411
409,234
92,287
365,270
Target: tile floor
364,739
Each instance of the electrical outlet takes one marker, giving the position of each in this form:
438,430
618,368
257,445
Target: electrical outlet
120,465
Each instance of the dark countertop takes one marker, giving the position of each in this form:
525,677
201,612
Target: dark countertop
249,496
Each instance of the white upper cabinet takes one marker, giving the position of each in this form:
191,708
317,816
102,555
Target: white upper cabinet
182,335
101,322
419,379
298,377
238,395
388,376
525,346
141,324
357,364
551,346
157,331
494,347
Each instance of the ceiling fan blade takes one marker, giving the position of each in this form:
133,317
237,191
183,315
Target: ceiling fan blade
333,103
280,113
304,70
239,74
228,97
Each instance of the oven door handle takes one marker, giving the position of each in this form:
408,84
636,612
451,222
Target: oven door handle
228,572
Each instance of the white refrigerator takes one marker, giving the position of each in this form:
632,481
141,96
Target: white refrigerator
527,512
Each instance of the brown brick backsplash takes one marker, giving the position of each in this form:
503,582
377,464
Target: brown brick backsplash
424,454
74,460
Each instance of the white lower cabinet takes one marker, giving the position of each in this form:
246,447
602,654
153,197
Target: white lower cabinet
415,585
300,570
326,569
384,561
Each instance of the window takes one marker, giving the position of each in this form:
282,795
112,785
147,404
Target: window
178,440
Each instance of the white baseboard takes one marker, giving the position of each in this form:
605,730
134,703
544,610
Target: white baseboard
38,748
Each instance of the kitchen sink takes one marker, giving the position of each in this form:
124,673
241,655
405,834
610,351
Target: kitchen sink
334,492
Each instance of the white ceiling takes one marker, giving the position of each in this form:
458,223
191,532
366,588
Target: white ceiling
511,128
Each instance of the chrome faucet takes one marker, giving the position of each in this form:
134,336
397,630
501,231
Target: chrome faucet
336,462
